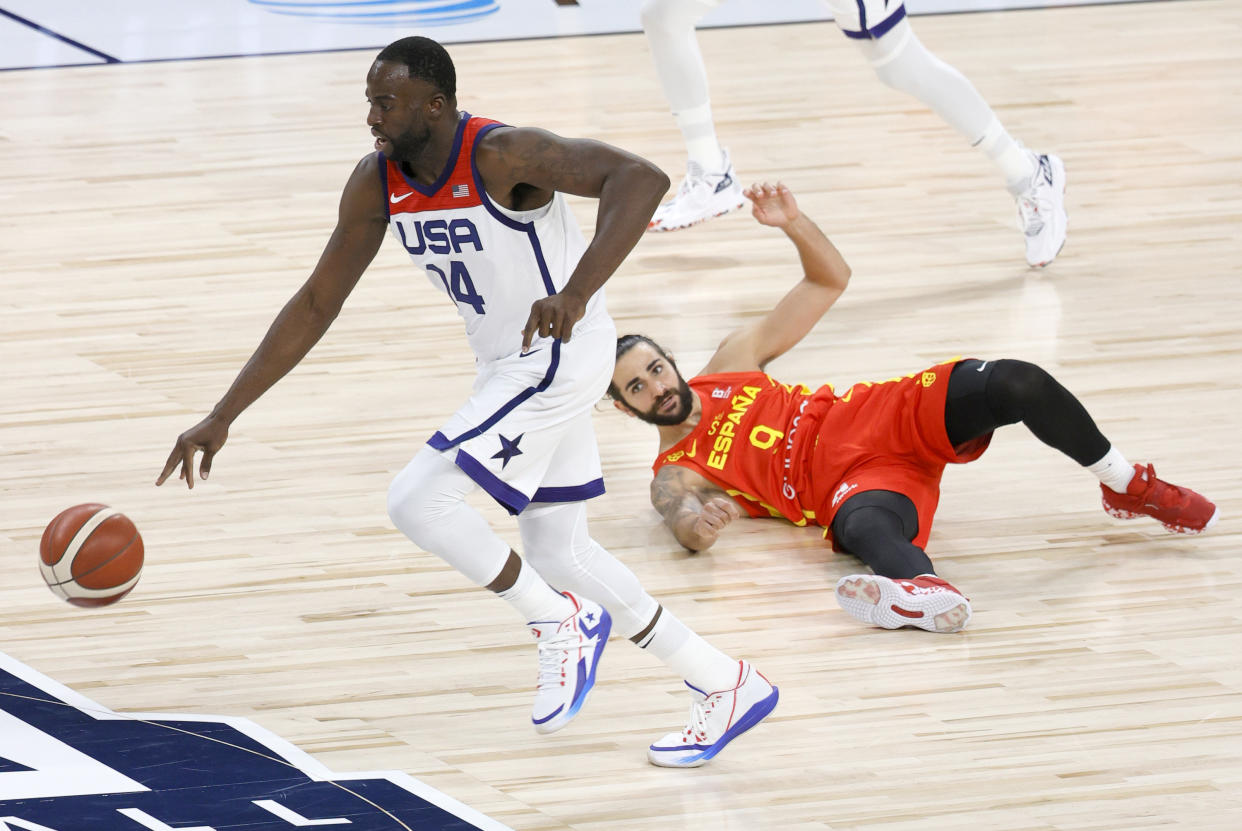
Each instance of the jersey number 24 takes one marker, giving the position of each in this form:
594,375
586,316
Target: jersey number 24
459,285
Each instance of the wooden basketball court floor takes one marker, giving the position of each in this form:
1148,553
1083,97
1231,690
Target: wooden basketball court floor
154,217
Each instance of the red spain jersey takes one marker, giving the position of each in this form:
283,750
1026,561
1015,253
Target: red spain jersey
751,441
786,451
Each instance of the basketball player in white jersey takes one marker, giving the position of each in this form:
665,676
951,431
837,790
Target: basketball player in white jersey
884,36
477,205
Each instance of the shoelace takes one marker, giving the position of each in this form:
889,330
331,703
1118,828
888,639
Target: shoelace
696,727
1030,213
552,656
1031,208
694,175
1155,486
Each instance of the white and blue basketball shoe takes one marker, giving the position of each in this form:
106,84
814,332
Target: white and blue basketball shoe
703,194
1041,211
569,651
716,718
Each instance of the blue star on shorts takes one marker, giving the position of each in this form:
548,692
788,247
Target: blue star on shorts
508,449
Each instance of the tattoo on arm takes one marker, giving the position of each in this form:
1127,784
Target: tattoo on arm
677,495
670,496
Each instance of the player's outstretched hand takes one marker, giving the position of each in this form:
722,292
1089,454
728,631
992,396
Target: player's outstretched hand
209,435
772,204
717,512
553,317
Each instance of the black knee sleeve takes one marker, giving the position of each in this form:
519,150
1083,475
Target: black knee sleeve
984,395
1014,388
876,527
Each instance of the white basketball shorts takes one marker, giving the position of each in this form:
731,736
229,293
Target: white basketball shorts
866,19
526,435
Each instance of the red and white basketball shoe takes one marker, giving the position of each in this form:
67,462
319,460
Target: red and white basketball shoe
1180,510
925,601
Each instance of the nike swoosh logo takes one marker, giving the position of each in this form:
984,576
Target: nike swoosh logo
980,367
394,199
528,354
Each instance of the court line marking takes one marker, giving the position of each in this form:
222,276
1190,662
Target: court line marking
58,36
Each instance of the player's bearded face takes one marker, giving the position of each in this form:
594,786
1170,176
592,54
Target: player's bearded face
398,115
672,407
409,144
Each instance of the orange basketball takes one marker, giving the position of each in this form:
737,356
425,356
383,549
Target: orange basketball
90,555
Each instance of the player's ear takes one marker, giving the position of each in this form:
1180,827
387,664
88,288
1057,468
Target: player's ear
622,408
437,105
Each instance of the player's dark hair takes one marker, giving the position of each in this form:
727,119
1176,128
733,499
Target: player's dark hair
426,60
624,344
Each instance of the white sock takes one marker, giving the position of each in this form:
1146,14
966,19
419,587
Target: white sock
669,26
1113,470
558,545
699,131
1016,163
694,659
534,599
902,62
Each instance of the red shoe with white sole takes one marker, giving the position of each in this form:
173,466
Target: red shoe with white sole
1180,510
925,601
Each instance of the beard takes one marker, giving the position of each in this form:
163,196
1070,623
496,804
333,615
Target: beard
685,403
408,145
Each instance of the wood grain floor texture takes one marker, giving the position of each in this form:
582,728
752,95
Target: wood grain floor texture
154,218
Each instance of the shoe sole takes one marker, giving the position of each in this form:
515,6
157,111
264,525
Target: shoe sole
757,713
897,608
1119,513
558,720
660,229
1050,259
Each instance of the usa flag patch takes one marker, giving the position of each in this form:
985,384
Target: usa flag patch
460,191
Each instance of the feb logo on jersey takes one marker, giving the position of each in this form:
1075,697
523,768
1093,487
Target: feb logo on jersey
68,764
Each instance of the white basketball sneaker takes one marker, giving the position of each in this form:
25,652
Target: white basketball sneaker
1041,211
715,720
925,601
569,651
701,196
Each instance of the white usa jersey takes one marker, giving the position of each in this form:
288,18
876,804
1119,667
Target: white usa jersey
493,263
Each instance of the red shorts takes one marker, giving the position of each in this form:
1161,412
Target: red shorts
887,436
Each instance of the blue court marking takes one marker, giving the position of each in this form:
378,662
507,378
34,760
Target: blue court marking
69,764
58,36
1017,6
425,12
